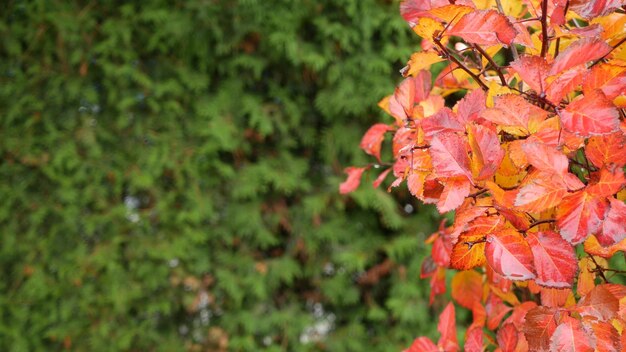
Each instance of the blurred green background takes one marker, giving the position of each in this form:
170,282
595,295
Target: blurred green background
170,171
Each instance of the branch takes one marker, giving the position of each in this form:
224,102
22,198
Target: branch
446,55
599,269
544,28
539,222
493,64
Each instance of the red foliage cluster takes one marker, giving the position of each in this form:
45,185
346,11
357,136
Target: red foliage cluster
531,160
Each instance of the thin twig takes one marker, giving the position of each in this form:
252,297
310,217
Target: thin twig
447,55
599,269
493,64
544,28
539,222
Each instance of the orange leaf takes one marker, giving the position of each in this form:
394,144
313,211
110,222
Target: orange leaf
590,114
486,151
542,192
610,183
586,277
467,288
600,303
507,337
580,215
454,192
487,27
608,149
611,79
592,246
509,255
449,156
470,107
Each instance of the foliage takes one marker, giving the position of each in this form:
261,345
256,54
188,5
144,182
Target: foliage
522,135
169,174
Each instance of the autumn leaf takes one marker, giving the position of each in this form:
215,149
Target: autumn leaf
449,156
590,114
373,138
607,337
507,337
579,52
353,180
570,336
593,247
496,310
381,177
546,158
595,8
542,192
554,259
421,61
580,215
611,79
442,121
447,329
412,10
422,344
486,27
539,325
509,255
454,192
610,182
600,303
467,288
470,107
607,149
469,250
515,115
533,70
614,226
486,151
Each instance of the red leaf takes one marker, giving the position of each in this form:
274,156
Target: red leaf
441,251
381,178
442,121
555,297
487,27
474,339
373,139
608,149
437,283
412,10
579,52
447,328
546,158
590,114
569,336
496,310
467,288
614,226
514,111
533,70
470,107
600,303
554,258
449,156
454,192
415,182
410,92
539,325
422,344
353,180
487,154
594,8
507,337
580,215
565,83
542,192
509,255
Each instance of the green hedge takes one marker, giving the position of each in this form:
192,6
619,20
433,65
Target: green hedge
169,178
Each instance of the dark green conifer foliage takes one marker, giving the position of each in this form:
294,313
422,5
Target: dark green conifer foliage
169,178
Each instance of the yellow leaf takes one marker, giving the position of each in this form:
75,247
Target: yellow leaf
451,13
612,24
427,27
495,89
491,51
422,60
384,104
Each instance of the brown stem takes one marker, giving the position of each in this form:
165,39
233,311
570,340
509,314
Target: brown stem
493,64
599,269
477,193
447,55
513,47
539,222
544,28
